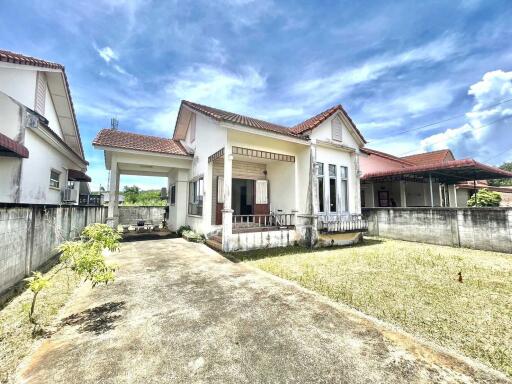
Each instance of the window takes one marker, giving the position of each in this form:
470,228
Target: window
332,188
344,189
261,192
337,129
54,179
195,197
172,194
71,184
320,181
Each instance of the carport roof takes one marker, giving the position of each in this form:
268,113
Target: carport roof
114,138
449,172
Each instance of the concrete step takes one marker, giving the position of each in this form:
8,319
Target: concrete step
214,244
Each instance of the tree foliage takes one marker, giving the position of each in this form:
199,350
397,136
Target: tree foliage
503,182
134,196
485,198
85,258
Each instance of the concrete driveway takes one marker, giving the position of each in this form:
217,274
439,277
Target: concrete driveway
181,313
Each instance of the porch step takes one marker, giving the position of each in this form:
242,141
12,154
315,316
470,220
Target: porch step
215,244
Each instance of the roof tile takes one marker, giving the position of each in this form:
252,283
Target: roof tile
433,157
128,140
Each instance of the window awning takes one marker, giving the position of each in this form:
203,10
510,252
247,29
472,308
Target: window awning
11,148
75,175
449,172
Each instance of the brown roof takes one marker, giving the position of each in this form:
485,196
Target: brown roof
18,58
11,147
126,140
316,120
387,156
433,157
220,115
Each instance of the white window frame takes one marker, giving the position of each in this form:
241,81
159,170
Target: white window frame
321,178
52,170
344,178
335,178
196,198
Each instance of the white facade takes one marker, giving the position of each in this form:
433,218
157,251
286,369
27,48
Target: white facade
236,173
30,118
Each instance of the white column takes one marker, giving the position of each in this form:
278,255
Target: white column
227,212
314,181
452,192
181,197
431,191
357,175
113,204
372,194
403,194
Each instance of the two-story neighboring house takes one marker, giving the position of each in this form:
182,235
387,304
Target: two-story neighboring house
41,156
247,183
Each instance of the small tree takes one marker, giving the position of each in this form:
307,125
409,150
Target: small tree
84,257
485,198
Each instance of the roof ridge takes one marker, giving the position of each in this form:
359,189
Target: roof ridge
13,57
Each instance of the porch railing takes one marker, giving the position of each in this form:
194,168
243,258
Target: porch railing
272,220
342,223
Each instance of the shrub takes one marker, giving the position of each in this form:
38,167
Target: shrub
192,236
485,198
182,229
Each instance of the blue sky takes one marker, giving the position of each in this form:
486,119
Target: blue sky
394,66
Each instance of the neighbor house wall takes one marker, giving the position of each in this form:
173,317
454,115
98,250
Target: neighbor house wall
478,228
129,215
29,235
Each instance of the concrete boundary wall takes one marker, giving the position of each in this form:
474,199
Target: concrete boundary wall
478,228
29,235
129,215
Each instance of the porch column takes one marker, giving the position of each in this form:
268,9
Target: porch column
452,192
372,195
227,212
431,191
403,194
181,197
113,204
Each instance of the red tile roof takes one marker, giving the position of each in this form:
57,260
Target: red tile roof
465,164
18,58
316,120
220,115
433,157
127,140
401,161
12,147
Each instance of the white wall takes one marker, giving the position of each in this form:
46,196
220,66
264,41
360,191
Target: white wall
20,84
281,177
35,176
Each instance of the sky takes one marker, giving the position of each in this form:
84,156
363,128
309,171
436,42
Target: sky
396,67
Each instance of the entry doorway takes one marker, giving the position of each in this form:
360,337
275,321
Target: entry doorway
242,198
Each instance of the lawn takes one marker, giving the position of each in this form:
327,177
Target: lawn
17,334
415,286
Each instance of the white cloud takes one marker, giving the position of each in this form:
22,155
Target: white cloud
319,90
107,54
487,133
236,92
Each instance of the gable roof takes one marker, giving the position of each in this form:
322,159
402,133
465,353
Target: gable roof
126,140
401,162
433,157
18,58
220,115
295,131
318,119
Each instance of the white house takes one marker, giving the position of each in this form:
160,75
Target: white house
41,156
246,183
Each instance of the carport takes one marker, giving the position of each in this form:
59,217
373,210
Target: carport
134,154
443,175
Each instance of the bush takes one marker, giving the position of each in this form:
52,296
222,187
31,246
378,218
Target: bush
192,236
182,229
485,198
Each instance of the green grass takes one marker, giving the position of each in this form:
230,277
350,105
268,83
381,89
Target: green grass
16,332
414,286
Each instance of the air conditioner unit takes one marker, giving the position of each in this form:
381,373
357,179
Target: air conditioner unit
69,195
31,120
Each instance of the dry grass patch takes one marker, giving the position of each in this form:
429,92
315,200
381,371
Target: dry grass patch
17,333
414,286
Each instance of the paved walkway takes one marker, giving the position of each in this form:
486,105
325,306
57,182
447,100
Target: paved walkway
181,313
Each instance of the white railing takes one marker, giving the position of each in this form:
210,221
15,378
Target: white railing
341,223
272,220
